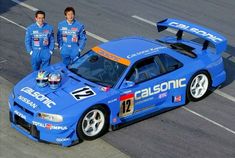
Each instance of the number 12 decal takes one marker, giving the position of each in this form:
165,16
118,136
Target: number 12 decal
82,93
126,105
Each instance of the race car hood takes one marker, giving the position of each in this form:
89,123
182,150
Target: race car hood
73,90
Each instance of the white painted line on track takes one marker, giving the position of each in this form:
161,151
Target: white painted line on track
13,22
3,61
193,112
152,23
232,59
211,121
25,5
96,36
225,95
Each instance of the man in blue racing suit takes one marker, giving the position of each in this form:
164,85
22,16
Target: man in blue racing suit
71,37
39,42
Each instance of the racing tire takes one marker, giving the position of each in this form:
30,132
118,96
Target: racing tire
93,123
198,87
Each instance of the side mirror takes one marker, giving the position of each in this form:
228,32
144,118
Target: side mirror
127,84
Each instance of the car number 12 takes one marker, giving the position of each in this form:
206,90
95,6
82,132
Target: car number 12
126,105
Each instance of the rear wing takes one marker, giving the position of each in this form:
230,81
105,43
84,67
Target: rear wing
219,41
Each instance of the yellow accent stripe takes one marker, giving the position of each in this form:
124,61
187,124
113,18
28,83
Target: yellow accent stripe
111,56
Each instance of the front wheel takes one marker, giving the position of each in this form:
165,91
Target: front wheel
198,86
93,124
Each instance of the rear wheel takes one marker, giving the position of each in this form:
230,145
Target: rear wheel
198,86
93,124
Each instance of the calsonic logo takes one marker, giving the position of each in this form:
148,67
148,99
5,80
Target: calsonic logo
197,31
160,88
49,126
147,51
20,114
40,97
27,101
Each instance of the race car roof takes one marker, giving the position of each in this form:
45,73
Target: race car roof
131,48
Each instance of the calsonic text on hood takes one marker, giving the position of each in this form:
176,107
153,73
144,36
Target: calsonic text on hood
162,87
147,51
197,31
40,97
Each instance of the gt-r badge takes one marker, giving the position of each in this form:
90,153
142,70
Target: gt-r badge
82,93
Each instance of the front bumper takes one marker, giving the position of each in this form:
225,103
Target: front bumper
25,121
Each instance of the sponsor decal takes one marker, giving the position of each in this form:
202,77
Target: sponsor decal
74,28
27,101
49,126
145,52
144,100
126,105
105,89
35,32
20,114
162,95
64,28
45,31
162,87
111,101
40,97
83,93
177,98
62,139
197,31
74,38
114,119
111,56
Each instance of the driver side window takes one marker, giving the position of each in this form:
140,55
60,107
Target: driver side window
144,70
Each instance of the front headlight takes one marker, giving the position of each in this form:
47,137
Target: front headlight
51,117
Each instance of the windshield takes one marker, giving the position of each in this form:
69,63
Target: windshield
98,69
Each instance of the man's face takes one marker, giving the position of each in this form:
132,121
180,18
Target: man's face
40,19
69,16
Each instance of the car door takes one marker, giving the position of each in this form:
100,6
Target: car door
144,95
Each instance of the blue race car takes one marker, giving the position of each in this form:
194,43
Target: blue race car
116,83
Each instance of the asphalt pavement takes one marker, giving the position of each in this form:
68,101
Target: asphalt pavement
201,129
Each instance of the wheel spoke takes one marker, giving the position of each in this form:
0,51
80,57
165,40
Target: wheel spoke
202,81
94,115
87,128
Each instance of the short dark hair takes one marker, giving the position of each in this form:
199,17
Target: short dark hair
40,12
68,9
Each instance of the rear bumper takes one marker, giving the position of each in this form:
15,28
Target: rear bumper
39,130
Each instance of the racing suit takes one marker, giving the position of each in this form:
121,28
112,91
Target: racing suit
71,39
39,42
